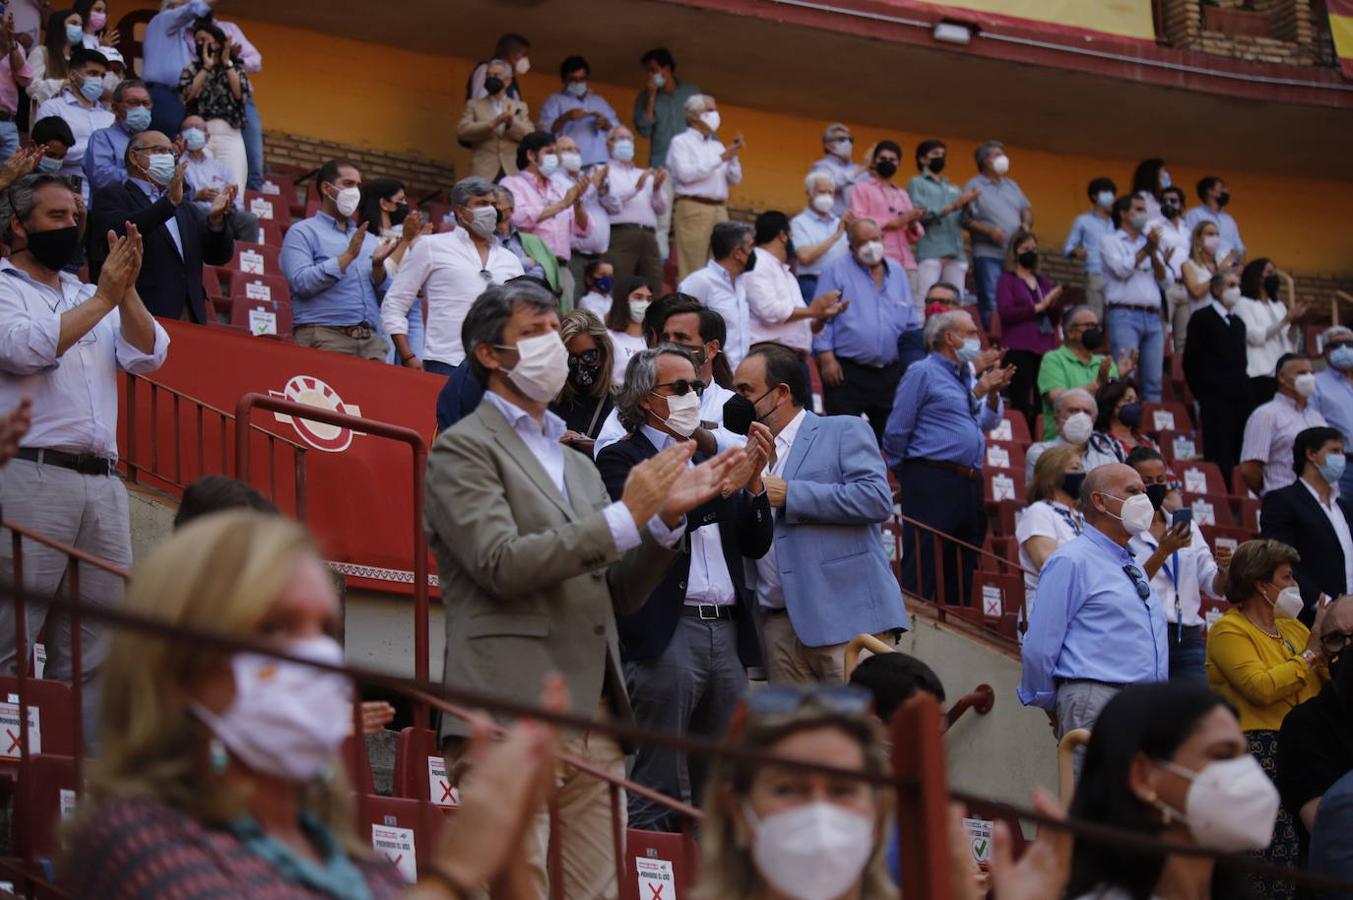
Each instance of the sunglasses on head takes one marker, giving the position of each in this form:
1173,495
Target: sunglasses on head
772,705
681,387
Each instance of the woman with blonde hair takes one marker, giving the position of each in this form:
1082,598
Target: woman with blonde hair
218,773
1204,262
586,398
1052,518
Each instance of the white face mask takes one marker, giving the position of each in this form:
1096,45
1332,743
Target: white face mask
548,163
683,414
823,203
1137,513
711,119
346,200
871,253
483,220
1077,428
638,308
1211,242
842,147
523,66
1287,605
571,161
1231,804
286,719
1001,164
812,852
1230,297
542,367
1304,384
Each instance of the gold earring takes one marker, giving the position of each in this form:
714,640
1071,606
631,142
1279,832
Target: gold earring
1166,816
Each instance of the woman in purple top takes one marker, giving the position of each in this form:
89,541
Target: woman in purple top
1026,302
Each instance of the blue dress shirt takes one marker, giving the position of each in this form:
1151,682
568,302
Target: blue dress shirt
320,293
1333,399
810,228
935,415
165,51
1089,623
867,332
1088,231
591,140
105,155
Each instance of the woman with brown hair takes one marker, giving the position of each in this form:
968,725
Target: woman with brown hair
1027,304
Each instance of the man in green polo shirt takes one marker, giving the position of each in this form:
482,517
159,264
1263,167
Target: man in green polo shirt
1075,364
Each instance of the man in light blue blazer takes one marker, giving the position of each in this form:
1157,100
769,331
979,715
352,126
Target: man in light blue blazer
826,578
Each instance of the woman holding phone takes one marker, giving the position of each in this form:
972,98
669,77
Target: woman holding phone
214,86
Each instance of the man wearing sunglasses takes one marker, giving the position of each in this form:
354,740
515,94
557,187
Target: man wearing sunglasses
1096,625
1315,745
1334,391
687,650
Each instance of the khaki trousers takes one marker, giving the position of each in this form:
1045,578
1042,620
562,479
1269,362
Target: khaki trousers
323,337
693,222
1094,293
789,661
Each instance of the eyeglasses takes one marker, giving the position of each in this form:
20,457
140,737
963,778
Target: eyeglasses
1334,345
586,358
1138,581
681,387
1335,641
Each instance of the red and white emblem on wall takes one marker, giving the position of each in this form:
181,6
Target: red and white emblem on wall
311,391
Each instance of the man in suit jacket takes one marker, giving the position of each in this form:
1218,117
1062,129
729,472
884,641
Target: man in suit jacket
535,558
494,125
178,237
1311,516
686,652
826,578
1214,367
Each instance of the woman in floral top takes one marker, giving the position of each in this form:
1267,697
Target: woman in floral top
214,86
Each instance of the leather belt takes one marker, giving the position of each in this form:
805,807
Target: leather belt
1132,306
649,228
359,332
946,466
708,612
84,463
705,200
6,115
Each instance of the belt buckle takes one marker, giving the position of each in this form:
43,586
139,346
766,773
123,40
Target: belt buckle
701,607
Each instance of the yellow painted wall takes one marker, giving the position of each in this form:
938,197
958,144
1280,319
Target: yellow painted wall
1127,18
389,99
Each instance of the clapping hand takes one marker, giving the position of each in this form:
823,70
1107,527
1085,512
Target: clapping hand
659,177
222,205
111,37
760,446
413,226
694,486
647,484
22,163
1105,368
1127,363
376,714
122,266
1045,867
354,247
987,358
599,176
175,187
826,305
994,380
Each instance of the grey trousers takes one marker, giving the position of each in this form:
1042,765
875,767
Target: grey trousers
692,688
1079,704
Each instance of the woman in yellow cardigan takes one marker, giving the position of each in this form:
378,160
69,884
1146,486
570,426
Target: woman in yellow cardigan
1265,662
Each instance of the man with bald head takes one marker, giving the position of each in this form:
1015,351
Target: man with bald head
863,352
1096,624
178,237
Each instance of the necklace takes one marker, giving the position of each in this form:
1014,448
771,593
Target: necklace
1275,633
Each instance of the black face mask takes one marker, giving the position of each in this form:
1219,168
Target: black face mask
739,413
1092,339
54,248
886,168
1130,414
584,376
493,84
789,249
1156,493
936,165
1341,676
1169,210
1223,198
1271,285
751,261
1028,259
1071,483
399,214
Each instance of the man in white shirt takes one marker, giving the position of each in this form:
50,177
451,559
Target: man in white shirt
1179,566
1135,272
1272,429
702,172
62,345
79,104
776,311
453,269
719,284
634,199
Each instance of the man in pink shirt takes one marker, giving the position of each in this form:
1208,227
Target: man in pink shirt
887,204
14,73
544,208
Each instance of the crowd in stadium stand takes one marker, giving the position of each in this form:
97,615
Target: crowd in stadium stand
659,482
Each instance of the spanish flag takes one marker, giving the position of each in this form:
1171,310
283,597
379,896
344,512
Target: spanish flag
1341,27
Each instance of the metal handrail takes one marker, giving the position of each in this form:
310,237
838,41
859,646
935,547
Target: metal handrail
1001,560
980,700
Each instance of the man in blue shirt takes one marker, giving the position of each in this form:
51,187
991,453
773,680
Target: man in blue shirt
863,352
1087,233
104,156
579,113
934,442
1214,196
1096,625
336,270
165,53
1333,396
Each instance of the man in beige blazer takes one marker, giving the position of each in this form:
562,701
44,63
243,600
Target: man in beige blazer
494,125
535,559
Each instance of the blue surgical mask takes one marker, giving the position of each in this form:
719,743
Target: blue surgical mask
623,150
1342,358
1104,199
969,351
194,139
659,80
1332,469
92,88
74,34
577,88
549,162
49,166
138,119
160,168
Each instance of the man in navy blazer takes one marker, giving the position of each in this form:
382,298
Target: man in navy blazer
1310,516
686,651
178,237
826,578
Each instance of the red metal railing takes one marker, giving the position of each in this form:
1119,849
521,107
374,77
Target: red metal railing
189,438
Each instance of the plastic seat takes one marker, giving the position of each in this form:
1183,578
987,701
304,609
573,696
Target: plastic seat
1006,455
1210,509
270,288
262,318
256,259
358,773
56,718
215,283
47,796
1238,486
1180,446
397,830
1013,428
658,865
284,188
270,233
997,594
1200,477
1249,509
1222,535
418,765
268,207
1164,416
1003,485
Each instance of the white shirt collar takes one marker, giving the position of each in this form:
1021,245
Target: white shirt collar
553,427
791,431
1334,493
659,439
1221,309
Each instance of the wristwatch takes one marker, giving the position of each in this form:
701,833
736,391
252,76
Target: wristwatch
1308,655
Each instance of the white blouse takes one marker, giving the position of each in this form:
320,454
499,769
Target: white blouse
1268,340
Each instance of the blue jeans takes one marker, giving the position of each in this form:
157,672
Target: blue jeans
1188,654
9,139
167,114
1140,330
986,272
253,144
808,287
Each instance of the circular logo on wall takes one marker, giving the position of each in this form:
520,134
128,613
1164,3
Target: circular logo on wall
312,391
